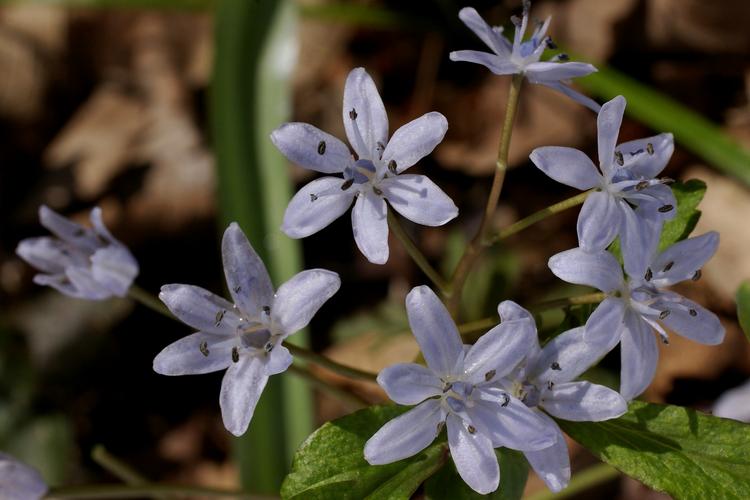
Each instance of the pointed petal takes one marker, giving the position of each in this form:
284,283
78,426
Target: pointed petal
409,383
494,40
605,325
597,269
299,299
418,199
278,360
567,356
405,435
608,126
434,329
583,402
87,287
551,464
308,212
683,259
474,457
510,311
492,62
567,166
241,388
576,96
51,255
600,221
195,354
370,227
59,282
639,239
311,148
499,351
200,308
67,230
539,72
246,275
639,355
415,140
734,404
644,165
704,327
370,125
114,268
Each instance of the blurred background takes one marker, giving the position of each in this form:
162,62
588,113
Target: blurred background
159,112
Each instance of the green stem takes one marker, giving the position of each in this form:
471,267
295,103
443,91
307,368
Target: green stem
539,216
320,360
417,256
105,491
146,299
589,298
351,400
593,476
116,467
475,247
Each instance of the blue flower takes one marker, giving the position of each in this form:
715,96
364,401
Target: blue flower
18,481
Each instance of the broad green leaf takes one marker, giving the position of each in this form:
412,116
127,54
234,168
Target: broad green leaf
743,307
448,485
688,194
679,451
331,463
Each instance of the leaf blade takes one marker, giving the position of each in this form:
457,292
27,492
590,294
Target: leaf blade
743,307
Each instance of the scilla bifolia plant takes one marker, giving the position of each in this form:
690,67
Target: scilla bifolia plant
475,414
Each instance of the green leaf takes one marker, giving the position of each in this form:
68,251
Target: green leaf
688,194
679,451
331,463
448,485
743,307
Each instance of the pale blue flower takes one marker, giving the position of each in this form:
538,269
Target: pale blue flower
522,57
457,389
734,404
18,481
627,179
639,304
82,262
544,381
244,337
372,175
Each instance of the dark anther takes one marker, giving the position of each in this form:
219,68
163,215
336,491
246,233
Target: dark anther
666,180
693,312
619,158
550,44
650,148
347,184
439,427
313,197
488,376
641,185
220,316
381,146
697,275
204,348
550,385
237,289
648,275
353,114
268,347
664,314
266,310
235,354
636,152
668,266
377,191
555,366
392,166
563,57
665,208
515,20
471,429
322,147
78,233
665,340
506,400
447,387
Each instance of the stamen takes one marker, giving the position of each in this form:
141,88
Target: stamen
347,184
562,57
664,339
220,316
377,191
636,152
488,376
693,312
471,429
322,147
550,385
353,114
697,275
619,158
235,354
506,400
267,310
641,185
664,314
550,44
237,289
555,366
650,148
667,180
665,208
668,266
313,197
268,347
447,387
204,348
648,275
392,166
516,21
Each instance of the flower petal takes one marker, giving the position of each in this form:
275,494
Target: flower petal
51,255
492,62
597,269
734,404
700,325
680,261
640,162
114,268
551,464
435,331
418,199
608,128
86,286
493,39
600,221
415,140
499,351
539,72
474,457
195,354
200,308
241,388
365,119
409,383
370,226
583,402
311,148
405,435
19,481
316,205
511,311
639,355
59,282
278,360
67,230
639,238
299,299
566,356
567,166
605,325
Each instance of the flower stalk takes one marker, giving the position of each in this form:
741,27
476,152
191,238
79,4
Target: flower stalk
320,360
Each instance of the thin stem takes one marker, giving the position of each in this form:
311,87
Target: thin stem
116,467
351,400
539,216
145,298
106,491
593,476
478,325
474,249
320,360
589,298
416,255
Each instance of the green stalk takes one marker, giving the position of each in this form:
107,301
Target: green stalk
146,299
581,482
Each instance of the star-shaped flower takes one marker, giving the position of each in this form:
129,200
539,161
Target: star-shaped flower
18,481
545,382
639,304
246,336
627,179
457,389
82,262
522,57
372,175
